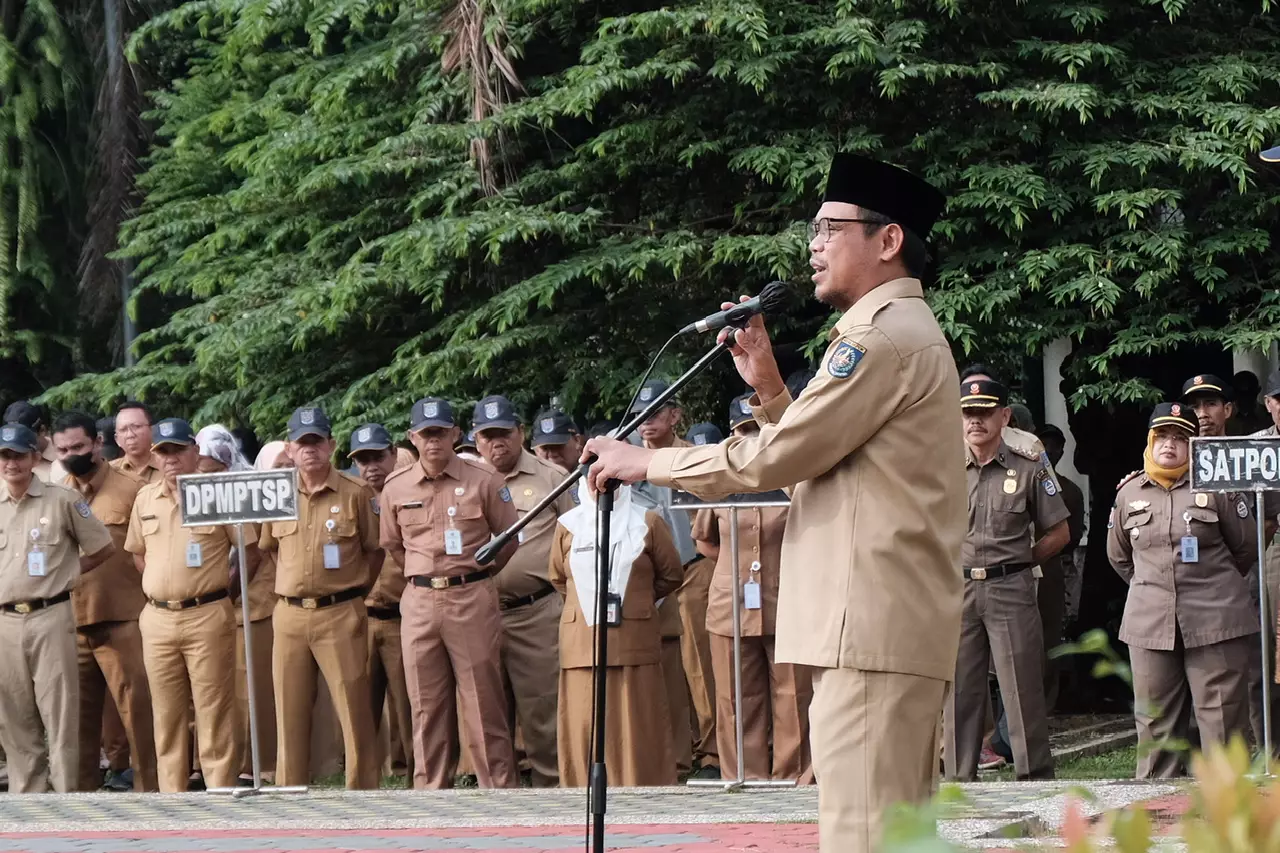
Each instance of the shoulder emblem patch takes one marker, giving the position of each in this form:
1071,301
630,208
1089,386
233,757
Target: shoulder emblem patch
505,494
1242,508
1049,488
373,502
83,508
844,359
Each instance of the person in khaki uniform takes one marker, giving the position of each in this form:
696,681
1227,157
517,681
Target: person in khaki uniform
775,696
36,418
188,626
44,530
871,588
557,439
326,563
435,515
644,568
1009,496
133,434
1188,618
375,455
107,605
529,603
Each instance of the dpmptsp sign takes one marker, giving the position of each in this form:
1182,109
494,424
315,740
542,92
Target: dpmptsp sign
1235,464
236,497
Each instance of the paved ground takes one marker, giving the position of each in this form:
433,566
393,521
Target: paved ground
654,820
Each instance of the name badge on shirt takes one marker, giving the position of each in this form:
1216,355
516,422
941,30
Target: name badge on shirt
453,542
1190,549
195,556
331,556
751,595
35,564
612,610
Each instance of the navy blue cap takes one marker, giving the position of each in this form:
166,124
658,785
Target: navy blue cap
740,410
1175,415
466,442
983,394
649,392
431,412
369,437
494,412
700,434
309,420
19,438
1206,385
172,431
553,427
25,413
1271,155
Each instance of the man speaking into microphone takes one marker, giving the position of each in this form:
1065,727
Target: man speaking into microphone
871,583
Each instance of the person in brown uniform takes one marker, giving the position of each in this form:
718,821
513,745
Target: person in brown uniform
529,603
133,434
188,627
557,439
775,696
44,530
375,456
107,605
1188,618
435,516
326,563
36,418
644,567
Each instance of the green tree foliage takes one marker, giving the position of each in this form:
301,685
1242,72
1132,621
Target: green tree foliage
360,202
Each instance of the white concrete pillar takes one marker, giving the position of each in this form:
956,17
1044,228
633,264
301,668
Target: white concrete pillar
1055,412
1261,362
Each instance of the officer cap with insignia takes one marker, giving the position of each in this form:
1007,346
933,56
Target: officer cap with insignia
552,427
702,434
1174,415
19,438
1206,385
309,420
369,437
740,410
983,394
494,412
431,412
908,200
650,391
172,431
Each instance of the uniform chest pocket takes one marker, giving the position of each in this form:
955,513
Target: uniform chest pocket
1138,527
466,515
284,529
150,526
1203,522
1009,503
343,528
414,519
203,534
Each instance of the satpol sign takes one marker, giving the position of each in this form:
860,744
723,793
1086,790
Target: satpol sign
239,497
1235,464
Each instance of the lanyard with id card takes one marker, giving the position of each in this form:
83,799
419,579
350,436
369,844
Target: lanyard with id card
1190,543
36,566
195,555
751,589
331,558
452,536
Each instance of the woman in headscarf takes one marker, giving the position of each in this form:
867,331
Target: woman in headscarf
645,569
1188,619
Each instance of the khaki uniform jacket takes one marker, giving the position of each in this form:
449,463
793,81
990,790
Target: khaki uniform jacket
113,591
529,482
148,473
1208,601
760,533
655,574
66,528
871,556
1009,497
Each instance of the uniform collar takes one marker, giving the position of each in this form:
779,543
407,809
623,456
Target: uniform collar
331,482
49,454
971,460
1147,481
528,464
35,490
95,483
878,297
452,470
129,468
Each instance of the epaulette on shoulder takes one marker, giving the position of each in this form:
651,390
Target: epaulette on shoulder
397,473
1023,443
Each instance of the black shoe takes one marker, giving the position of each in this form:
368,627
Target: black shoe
244,781
120,782
196,782
709,771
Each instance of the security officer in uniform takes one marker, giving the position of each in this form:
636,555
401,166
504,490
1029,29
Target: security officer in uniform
44,530
188,629
435,516
870,594
107,605
34,418
375,456
1188,618
326,563
557,439
133,434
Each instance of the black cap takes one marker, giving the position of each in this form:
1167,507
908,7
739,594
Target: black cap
23,412
431,412
1272,388
1174,414
172,431
983,394
553,427
649,392
309,420
19,438
740,410
1206,385
700,434
369,437
908,200
494,412
467,441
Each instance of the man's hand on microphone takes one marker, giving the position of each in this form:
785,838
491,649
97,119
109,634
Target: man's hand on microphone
616,460
753,356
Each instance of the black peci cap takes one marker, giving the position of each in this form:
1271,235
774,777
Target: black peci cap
912,202
1175,415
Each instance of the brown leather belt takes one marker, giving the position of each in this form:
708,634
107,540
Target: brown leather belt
526,600
991,573
450,580
324,600
384,613
24,607
188,603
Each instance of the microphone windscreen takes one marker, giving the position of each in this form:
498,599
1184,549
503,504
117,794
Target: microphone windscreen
773,297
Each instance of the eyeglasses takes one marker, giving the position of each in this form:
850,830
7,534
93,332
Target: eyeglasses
130,429
822,227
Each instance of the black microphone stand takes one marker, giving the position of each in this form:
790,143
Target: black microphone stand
599,780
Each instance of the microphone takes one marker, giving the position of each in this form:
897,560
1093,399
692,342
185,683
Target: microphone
770,299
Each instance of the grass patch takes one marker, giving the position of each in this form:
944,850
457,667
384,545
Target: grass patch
1116,764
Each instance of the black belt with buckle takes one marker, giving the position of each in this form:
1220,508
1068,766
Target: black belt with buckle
991,573
24,607
450,580
188,603
384,613
325,600
526,600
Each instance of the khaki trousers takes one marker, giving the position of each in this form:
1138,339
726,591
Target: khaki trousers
263,694
677,704
452,641
333,642
875,745
40,702
531,671
695,654
113,676
775,700
190,660
389,692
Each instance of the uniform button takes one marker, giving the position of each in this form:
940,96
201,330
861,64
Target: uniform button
755,527
755,550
